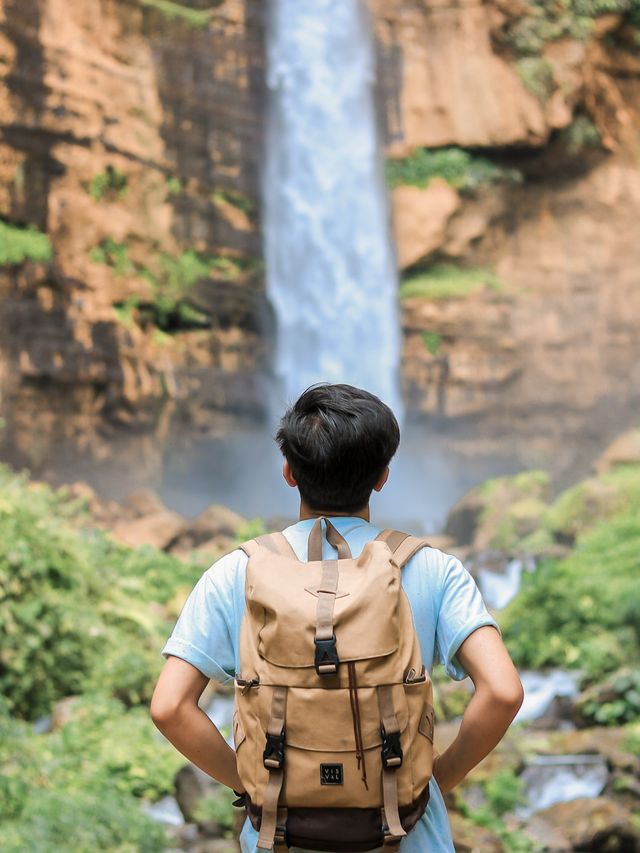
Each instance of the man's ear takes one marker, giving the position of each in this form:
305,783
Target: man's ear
288,476
383,479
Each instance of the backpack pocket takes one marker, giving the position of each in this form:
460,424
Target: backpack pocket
365,612
238,732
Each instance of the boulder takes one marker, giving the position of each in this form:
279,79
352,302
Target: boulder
598,824
191,785
468,837
159,530
420,218
545,836
500,512
210,533
143,502
625,450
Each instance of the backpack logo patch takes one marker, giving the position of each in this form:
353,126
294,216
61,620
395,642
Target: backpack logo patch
331,774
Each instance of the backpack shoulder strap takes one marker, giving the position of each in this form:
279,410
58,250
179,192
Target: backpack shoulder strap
277,543
403,546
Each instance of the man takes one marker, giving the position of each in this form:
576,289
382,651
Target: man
337,442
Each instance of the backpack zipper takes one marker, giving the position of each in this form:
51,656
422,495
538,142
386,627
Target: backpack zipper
247,684
413,677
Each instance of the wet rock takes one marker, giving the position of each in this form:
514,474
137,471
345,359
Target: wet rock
594,824
191,784
159,529
545,836
143,502
468,837
211,532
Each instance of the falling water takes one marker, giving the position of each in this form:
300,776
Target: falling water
330,267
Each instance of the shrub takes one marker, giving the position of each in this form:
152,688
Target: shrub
19,244
432,341
537,75
457,167
111,184
114,255
76,610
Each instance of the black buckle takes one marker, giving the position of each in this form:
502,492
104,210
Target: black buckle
280,835
273,755
391,750
327,660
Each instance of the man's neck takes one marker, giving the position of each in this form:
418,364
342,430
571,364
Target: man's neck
307,512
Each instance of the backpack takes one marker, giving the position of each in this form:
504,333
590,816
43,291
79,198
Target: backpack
333,718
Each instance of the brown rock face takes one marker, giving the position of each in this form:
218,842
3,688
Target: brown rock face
420,218
125,128
598,824
445,84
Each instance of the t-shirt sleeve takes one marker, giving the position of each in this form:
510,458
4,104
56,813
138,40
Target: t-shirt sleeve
462,611
204,633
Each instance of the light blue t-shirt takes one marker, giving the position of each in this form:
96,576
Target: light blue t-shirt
446,606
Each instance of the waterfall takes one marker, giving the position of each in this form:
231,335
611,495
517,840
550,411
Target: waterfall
331,275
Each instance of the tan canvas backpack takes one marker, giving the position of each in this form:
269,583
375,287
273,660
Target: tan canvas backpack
333,724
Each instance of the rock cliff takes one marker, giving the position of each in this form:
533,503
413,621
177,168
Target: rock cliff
131,135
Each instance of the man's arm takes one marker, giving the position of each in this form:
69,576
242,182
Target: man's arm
497,698
174,710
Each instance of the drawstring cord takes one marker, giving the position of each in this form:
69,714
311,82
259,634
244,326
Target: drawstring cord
355,714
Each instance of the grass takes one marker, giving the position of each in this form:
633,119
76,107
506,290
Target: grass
196,18
114,255
19,244
447,281
235,199
432,341
457,167
111,184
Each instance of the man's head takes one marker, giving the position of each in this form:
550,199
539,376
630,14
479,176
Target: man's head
338,441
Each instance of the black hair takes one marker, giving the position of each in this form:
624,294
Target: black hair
337,440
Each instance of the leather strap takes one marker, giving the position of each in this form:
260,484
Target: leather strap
269,825
393,538
333,538
402,545
277,543
326,599
391,815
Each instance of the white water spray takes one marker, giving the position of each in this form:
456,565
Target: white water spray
331,274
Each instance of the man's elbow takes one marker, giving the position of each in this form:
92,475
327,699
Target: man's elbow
164,711
508,696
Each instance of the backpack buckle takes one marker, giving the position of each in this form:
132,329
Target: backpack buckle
391,750
273,755
327,660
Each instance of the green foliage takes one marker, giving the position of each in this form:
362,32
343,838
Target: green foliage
174,186
503,792
77,611
576,612
581,135
446,281
114,255
613,703
544,21
126,311
537,75
76,789
111,184
432,341
457,167
18,244
235,199
173,11
217,806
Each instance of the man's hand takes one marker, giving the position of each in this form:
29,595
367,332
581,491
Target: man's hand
496,701
174,710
